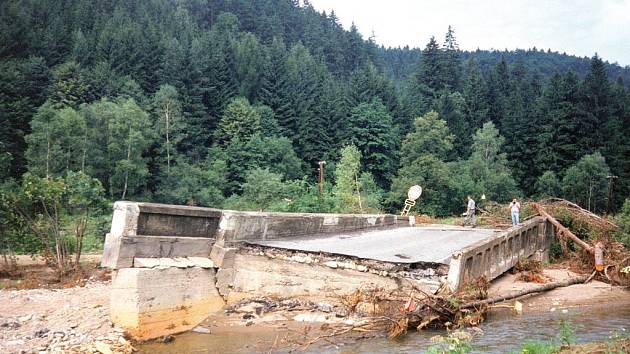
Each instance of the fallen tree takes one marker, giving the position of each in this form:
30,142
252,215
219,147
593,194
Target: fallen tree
561,230
537,289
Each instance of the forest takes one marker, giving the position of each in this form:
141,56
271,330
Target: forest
232,104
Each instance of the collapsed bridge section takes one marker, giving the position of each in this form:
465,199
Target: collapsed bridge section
176,265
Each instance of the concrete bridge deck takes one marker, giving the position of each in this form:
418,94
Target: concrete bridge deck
428,244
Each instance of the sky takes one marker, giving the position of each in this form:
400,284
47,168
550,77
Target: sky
577,27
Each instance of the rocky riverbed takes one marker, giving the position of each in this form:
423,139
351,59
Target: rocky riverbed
73,320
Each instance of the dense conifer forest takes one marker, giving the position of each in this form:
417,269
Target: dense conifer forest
232,103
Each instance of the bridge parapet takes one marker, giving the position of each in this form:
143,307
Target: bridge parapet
149,230
497,254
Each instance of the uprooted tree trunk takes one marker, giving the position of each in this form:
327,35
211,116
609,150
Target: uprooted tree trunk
537,289
563,231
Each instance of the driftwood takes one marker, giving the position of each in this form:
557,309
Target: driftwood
537,289
562,231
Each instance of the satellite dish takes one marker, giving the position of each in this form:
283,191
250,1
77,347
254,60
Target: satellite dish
414,192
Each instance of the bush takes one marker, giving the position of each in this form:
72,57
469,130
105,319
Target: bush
623,221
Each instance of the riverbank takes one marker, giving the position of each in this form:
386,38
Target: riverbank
76,319
579,295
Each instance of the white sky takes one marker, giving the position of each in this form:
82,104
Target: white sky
577,27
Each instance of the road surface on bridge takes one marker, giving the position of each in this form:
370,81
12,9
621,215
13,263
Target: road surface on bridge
427,244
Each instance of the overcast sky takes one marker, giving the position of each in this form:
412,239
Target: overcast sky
577,27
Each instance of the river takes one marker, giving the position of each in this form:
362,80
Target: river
503,332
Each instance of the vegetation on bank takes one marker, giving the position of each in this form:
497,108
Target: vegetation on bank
565,341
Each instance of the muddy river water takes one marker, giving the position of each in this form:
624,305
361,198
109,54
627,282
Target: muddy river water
503,332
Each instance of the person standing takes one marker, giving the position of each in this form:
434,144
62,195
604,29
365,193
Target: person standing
515,209
470,212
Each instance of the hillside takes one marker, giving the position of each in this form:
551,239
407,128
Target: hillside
399,63
210,102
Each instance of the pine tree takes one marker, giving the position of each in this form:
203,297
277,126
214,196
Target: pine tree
250,62
302,70
70,87
451,108
275,91
370,130
173,64
595,102
475,97
451,63
239,122
498,89
23,88
368,83
195,87
431,67
221,87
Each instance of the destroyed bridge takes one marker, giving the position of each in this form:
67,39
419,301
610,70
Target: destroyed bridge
176,265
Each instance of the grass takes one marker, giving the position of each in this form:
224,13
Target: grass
451,220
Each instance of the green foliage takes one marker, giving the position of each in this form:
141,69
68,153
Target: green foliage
249,60
431,136
130,137
70,88
566,335
91,88
168,123
539,348
486,171
274,153
194,184
239,122
15,237
309,200
347,187
263,190
57,143
585,182
454,343
370,130
435,178
622,219
5,163
42,214
548,185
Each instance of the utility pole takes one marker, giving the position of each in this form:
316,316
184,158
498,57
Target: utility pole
611,181
321,176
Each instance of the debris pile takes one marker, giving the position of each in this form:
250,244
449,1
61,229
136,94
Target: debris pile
581,218
530,271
